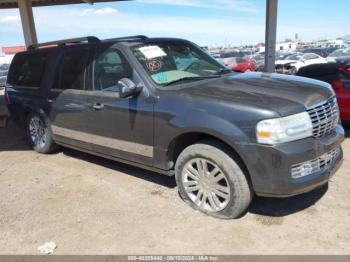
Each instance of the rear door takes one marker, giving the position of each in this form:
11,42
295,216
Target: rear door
120,127
69,98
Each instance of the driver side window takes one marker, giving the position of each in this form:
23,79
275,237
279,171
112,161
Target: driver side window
109,67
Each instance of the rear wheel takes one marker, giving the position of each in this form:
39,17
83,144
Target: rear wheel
39,135
210,180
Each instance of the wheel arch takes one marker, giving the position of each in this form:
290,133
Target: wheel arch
185,139
35,110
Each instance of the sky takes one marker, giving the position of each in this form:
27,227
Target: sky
206,22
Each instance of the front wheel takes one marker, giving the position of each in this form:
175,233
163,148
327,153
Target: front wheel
293,71
39,135
210,180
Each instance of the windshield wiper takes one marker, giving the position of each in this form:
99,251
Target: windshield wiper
189,78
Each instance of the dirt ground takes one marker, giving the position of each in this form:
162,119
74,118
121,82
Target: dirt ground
88,205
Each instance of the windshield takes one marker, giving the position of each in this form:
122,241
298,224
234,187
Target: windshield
293,57
340,52
170,62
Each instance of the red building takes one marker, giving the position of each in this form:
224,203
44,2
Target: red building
10,50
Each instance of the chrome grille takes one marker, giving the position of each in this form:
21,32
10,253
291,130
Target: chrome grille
324,117
315,165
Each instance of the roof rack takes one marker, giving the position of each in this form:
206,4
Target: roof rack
127,38
89,39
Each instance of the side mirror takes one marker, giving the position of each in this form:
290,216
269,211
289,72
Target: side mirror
127,88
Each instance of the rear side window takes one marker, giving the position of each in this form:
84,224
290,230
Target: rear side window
74,69
27,70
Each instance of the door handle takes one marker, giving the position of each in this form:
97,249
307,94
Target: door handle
97,106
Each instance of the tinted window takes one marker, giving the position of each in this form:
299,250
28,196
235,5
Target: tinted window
74,69
109,67
27,70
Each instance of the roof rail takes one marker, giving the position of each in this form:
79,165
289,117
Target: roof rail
89,39
126,38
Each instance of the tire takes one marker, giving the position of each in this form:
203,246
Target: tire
293,71
248,71
44,143
234,192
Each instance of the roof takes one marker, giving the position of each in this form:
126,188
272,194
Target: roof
136,39
86,39
13,3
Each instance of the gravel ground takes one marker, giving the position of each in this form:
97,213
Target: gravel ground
89,205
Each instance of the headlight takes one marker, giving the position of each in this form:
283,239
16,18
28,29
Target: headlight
284,129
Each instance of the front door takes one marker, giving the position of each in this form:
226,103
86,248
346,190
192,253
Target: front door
120,127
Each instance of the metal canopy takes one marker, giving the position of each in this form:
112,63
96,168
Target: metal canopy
30,37
35,3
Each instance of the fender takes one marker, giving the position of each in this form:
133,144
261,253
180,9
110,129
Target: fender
201,123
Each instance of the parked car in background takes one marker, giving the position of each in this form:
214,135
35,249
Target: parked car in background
259,61
292,63
282,55
231,54
321,51
246,53
240,64
336,74
343,60
215,55
337,54
225,136
3,74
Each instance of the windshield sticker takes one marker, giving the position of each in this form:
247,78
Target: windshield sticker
154,65
152,51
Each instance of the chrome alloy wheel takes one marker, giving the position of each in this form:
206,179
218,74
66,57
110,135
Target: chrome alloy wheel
206,185
37,132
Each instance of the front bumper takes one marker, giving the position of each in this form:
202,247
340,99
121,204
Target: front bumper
270,166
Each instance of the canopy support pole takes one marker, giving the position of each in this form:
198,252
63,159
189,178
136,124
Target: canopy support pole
270,35
28,24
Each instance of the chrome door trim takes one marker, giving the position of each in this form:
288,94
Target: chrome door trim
122,145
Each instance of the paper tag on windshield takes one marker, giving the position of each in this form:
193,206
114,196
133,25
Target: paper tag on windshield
152,51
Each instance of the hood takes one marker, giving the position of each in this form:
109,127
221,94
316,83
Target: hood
280,93
284,62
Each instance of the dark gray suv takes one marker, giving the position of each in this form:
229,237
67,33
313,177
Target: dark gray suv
165,105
